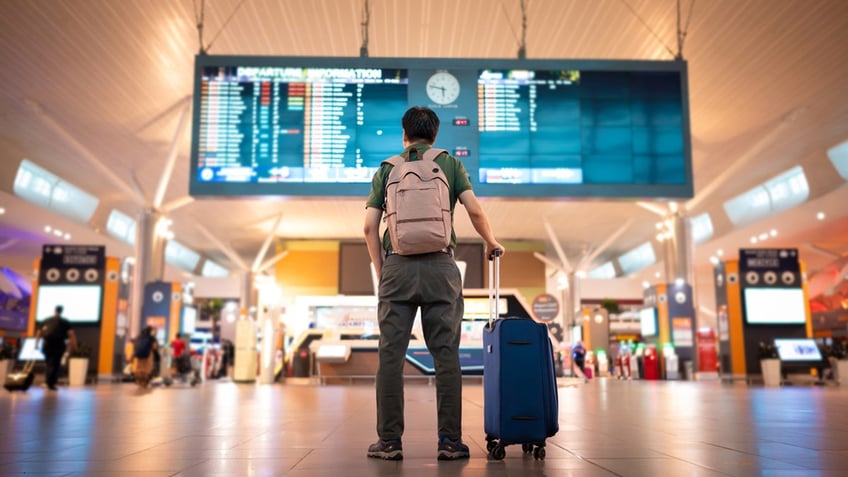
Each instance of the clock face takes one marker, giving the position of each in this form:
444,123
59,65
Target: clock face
443,88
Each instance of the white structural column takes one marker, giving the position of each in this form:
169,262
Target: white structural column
247,297
150,245
678,249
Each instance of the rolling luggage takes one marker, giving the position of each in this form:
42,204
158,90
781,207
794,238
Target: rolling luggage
520,403
21,380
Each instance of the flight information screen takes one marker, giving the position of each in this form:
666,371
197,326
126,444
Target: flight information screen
285,124
580,127
298,126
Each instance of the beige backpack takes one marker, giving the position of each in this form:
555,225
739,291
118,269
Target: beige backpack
418,205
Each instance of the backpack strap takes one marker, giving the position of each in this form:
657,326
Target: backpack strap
429,155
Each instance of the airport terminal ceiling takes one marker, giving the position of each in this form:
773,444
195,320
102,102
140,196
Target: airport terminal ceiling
90,82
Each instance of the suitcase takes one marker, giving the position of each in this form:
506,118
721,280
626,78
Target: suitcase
519,406
21,380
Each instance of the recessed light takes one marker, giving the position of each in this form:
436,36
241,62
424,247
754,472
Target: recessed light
657,274
714,260
773,233
763,236
2,210
645,284
820,216
57,232
720,252
753,239
48,229
67,236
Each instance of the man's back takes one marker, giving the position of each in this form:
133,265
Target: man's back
54,331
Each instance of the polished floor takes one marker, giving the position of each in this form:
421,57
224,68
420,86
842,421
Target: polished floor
607,428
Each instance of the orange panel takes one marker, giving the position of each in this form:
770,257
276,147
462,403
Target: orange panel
108,316
662,315
309,268
176,310
734,318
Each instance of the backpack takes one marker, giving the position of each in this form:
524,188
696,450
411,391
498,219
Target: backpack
143,346
417,205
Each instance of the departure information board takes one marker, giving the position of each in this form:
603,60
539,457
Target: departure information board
523,128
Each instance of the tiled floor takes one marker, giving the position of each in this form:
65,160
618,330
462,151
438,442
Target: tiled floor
608,428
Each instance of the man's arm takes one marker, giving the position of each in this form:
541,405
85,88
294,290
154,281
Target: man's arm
372,237
72,341
480,221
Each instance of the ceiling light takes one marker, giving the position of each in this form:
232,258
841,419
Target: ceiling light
657,274
672,206
57,232
67,236
659,225
763,236
720,252
679,282
714,260
820,216
646,284
48,229
753,239
773,232
2,210
660,237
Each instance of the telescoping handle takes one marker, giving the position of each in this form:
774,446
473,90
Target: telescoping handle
494,285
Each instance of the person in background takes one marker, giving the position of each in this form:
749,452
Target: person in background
179,356
54,331
578,355
430,281
144,347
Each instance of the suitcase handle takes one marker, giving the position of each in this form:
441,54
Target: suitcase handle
494,285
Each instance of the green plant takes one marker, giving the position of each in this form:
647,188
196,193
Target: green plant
768,351
82,351
611,306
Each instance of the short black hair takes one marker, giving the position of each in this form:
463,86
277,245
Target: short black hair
420,124
59,309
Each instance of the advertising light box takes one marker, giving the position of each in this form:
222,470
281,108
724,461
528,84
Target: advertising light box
298,126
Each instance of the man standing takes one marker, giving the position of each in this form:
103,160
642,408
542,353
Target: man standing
430,281
54,331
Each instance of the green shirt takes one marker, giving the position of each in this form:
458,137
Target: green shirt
454,171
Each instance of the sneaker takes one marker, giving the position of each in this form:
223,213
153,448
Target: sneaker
388,450
452,450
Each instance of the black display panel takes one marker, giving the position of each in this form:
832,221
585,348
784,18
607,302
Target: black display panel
291,126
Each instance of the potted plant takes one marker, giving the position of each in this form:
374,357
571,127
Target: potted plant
78,364
839,361
769,364
5,360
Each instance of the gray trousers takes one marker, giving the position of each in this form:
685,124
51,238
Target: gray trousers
432,282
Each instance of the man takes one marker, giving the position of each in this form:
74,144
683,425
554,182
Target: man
54,331
430,281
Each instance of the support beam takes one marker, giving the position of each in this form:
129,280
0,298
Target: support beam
228,251
821,251
744,160
271,261
549,262
85,153
176,204
264,249
566,267
653,208
606,243
165,179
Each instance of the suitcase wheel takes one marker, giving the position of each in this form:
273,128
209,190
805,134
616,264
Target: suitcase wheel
527,448
498,452
539,453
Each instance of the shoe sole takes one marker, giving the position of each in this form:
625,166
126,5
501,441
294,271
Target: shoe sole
394,455
443,455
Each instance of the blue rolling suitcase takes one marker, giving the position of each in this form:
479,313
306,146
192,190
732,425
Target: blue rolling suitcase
521,404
